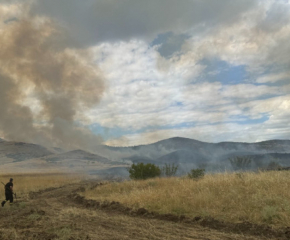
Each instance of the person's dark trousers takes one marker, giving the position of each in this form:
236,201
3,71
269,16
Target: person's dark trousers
9,197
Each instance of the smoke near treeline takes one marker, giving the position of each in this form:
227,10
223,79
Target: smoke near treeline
45,86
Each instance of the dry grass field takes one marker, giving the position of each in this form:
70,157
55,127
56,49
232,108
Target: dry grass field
32,182
260,198
50,206
55,214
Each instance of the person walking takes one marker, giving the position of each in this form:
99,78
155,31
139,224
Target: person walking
8,192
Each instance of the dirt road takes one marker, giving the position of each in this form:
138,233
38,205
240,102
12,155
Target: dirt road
53,214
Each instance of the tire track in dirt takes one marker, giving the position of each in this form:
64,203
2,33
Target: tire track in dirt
61,213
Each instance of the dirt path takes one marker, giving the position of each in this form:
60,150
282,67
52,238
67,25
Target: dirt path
51,214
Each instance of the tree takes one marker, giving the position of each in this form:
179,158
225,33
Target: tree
144,171
196,173
240,163
169,170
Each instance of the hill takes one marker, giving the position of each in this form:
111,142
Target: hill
190,153
17,157
186,153
19,151
77,155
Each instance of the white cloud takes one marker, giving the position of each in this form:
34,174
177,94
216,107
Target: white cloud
248,42
139,95
249,91
277,127
209,133
145,90
272,78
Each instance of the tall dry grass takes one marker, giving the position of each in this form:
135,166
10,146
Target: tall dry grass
256,197
25,183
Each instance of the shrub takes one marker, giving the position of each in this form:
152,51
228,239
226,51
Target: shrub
144,171
196,173
169,170
274,166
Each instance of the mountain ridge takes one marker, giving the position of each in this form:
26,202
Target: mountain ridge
185,152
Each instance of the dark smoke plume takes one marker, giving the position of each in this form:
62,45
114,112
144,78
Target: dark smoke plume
44,85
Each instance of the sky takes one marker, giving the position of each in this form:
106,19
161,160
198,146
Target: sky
209,70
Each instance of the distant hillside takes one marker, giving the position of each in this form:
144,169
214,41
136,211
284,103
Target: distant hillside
176,143
161,148
184,152
171,143
182,156
282,159
139,159
77,155
190,153
266,146
19,151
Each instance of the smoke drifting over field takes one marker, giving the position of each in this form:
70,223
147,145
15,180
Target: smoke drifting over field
45,86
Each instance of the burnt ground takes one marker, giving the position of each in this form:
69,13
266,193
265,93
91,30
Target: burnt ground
61,213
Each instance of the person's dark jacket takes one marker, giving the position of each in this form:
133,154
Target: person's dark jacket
8,187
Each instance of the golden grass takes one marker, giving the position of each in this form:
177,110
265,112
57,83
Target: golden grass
256,197
25,183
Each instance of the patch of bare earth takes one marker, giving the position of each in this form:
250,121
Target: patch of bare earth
60,213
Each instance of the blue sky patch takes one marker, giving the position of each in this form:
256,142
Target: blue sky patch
250,121
170,43
221,71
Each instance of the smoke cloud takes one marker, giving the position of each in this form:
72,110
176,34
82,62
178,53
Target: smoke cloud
44,85
94,21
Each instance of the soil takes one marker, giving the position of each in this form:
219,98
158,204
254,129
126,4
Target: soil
62,213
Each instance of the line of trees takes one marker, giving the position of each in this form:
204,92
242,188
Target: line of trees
145,171
141,171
